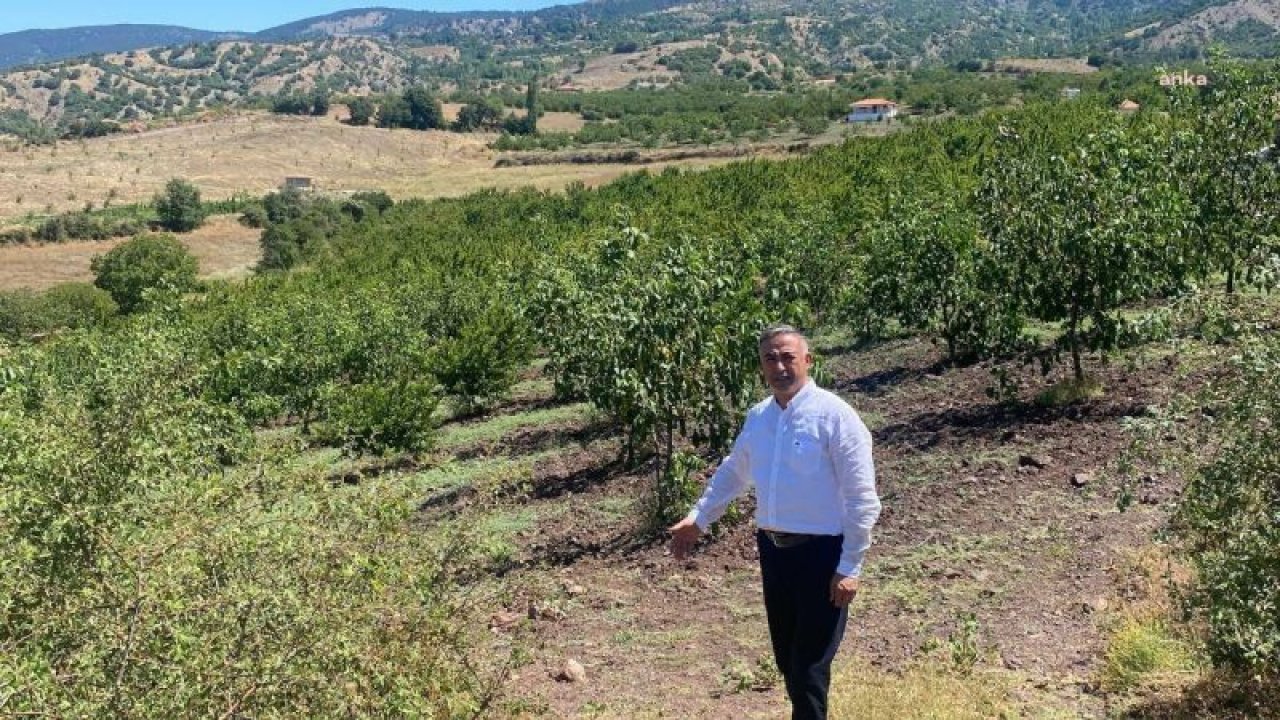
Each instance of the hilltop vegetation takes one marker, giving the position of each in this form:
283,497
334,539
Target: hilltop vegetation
608,45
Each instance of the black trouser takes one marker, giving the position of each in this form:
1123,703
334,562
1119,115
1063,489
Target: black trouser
804,626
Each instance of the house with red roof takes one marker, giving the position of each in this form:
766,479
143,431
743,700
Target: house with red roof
872,110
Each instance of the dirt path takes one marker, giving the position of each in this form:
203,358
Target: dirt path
997,513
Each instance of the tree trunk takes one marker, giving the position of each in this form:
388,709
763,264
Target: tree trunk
1073,338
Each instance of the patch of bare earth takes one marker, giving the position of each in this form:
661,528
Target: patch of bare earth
253,153
1076,66
224,247
997,511
617,70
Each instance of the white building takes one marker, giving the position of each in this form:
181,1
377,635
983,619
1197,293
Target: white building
872,110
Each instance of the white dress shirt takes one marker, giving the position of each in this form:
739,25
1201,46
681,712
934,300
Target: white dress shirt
812,470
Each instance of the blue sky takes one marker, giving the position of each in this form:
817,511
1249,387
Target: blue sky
247,15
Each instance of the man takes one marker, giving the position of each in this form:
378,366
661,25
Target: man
808,455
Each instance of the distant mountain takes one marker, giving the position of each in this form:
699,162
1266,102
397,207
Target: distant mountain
30,47
133,73
393,22
842,34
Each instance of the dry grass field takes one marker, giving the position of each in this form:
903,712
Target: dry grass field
1077,66
617,70
253,152
224,247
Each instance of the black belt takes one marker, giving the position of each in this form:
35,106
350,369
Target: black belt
783,540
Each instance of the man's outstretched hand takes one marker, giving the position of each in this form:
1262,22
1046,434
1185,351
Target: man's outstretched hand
683,536
843,589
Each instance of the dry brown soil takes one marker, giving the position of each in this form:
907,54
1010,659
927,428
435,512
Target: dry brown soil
981,517
224,247
1077,66
253,153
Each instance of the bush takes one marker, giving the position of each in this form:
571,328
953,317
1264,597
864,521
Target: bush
254,216
380,416
416,109
478,365
24,313
288,204
296,240
178,207
144,576
20,314
144,263
479,115
78,305
1228,516
361,109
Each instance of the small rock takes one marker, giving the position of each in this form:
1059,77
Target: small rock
1009,436
1035,461
571,672
574,590
505,620
1149,499
1095,605
546,612
1081,479
1013,663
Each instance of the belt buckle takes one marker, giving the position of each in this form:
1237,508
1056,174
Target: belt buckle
784,540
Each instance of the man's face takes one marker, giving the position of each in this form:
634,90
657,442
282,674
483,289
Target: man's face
785,362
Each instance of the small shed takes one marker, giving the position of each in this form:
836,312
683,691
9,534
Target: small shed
298,182
872,110
1070,93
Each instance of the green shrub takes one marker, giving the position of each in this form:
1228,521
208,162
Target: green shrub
178,207
144,263
144,576
478,365
381,416
254,216
290,243
1230,517
78,305
24,313
21,314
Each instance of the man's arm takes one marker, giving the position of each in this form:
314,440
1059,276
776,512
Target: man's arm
856,474
728,482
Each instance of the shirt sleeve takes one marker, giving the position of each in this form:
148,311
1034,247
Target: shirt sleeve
728,482
856,475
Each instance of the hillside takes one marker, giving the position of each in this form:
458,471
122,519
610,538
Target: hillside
800,38
1248,26
142,84
28,47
